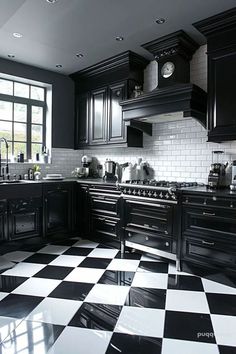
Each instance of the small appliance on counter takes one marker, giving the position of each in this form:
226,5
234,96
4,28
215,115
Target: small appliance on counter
86,162
110,169
217,177
233,176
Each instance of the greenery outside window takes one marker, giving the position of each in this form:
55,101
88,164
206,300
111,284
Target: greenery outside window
23,109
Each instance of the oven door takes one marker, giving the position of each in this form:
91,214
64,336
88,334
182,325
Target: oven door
148,215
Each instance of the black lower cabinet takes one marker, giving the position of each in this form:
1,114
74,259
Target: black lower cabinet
25,217
58,208
82,217
3,220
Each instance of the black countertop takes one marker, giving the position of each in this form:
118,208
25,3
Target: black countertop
203,189
65,180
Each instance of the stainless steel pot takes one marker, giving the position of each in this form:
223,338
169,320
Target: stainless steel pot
110,167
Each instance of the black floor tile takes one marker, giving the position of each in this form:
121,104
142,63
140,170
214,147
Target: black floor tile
38,337
189,326
155,267
222,304
18,306
42,258
129,344
78,251
115,277
71,290
128,255
145,297
96,316
92,262
226,349
185,282
9,283
53,272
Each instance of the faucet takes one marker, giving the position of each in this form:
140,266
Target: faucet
7,166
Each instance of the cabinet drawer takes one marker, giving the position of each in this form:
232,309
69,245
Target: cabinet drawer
207,251
57,186
148,216
107,204
19,205
210,201
3,206
156,242
210,222
105,225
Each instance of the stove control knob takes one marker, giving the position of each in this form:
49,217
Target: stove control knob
173,196
155,194
139,192
125,191
129,191
149,193
144,193
161,195
134,192
167,195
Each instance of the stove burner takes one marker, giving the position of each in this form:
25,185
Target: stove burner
166,184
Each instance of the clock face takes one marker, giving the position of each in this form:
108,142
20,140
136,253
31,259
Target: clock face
167,69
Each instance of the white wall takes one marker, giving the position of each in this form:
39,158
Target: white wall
177,150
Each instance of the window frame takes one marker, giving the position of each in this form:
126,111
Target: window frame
29,102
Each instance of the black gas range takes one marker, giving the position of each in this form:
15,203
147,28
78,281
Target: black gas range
163,190
152,215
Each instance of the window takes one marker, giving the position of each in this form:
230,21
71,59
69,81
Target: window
22,118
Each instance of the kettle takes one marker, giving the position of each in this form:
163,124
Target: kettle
128,172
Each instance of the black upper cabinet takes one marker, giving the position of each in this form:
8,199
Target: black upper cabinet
99,90
220,31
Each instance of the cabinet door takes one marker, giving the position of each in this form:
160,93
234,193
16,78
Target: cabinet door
116,126
58,210
221,91
98,116
24,218
82,123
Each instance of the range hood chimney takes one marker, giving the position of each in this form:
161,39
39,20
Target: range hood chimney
174,95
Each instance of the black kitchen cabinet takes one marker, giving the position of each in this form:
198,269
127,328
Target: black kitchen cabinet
58,208
25,218
82,217
220,31
82,125
99,91
98,116
3,220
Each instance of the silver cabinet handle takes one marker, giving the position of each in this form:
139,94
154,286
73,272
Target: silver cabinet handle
167,244
208,214
208,243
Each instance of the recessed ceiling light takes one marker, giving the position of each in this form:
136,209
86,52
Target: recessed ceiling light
80,55
58,66
119,38
160,21
11,56
51,1
17,35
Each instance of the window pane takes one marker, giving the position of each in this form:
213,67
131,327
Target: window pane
5,110
20,112
3,151
21,90
6,87
20,147
37,93
6,130
19,132
37,133
36,148
37,115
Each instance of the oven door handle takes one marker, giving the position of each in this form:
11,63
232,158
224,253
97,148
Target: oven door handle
149,204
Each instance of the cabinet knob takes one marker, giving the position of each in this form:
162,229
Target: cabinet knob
146,238
118,93
167,244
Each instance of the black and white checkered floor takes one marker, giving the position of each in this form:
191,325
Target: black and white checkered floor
80,297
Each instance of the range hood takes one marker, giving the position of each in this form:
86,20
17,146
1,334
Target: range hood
175,95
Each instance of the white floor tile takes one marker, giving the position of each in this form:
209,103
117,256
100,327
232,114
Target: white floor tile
224,328
81,341
128,265
175,346
7,324
17,256
187,301
25,269
150,280
55,311
141,321
108,294
85,275
3,295
86,244
103,253
67,261
52,249
213,287
37,287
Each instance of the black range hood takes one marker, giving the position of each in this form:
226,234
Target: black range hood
174,96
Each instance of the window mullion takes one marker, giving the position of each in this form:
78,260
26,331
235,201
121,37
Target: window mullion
29,121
